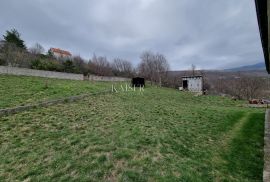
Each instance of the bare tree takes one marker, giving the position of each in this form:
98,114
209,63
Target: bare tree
79,64
153,67
251,87
193,69
122,67
15,56
146,68
241,87
161,67
37,49
100,66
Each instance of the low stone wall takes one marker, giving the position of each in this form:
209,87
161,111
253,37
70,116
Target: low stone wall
59,75
39,73
106,78
266,170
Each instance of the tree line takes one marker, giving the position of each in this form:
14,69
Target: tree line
154,67
14,52
240,86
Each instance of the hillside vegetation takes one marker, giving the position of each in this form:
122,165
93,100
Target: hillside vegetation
156,135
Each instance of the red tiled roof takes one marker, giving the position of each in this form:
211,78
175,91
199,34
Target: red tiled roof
60,51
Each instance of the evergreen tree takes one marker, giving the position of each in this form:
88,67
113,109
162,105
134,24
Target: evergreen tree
13,36
68,66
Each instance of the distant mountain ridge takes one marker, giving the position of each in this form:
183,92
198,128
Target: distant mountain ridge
256,70
258,66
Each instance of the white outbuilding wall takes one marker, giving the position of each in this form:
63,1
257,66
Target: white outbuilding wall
194,83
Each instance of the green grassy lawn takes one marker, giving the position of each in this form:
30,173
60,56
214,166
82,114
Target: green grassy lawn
158,135
18,90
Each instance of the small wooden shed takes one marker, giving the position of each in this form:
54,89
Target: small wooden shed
138,82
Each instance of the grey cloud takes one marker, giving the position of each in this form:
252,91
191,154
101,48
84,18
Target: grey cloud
211,33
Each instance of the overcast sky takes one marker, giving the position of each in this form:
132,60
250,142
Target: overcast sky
212,34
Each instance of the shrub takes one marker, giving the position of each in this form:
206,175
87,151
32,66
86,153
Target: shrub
2,62
46,64
68,66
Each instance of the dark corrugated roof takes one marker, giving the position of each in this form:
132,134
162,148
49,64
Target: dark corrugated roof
262,8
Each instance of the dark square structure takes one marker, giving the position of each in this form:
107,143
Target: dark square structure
138,82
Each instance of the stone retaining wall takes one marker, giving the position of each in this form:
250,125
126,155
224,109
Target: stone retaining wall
59,75
39,73
106,78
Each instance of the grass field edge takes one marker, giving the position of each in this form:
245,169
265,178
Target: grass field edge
266,170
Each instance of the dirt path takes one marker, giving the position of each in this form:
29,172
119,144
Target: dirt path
223,146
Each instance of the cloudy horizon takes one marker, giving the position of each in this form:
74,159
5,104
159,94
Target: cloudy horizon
212,34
